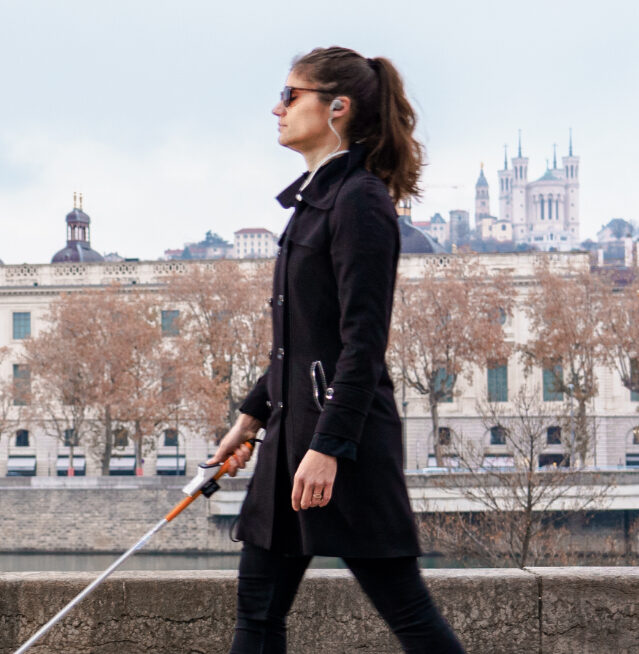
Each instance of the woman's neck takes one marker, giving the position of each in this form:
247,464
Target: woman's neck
316,157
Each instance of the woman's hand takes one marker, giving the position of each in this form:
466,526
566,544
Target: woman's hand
314,479
233,444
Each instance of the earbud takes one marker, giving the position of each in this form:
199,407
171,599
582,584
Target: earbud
336,105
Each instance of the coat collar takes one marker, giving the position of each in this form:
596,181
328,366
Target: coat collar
328,180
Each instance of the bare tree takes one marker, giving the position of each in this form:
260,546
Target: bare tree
10,415
97,368
565,314
60,402
445,323
516,508
225,325
619,332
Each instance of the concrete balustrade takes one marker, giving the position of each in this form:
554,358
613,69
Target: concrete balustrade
498,611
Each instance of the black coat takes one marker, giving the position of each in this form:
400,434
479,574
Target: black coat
332,300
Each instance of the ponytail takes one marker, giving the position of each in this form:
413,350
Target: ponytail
381,117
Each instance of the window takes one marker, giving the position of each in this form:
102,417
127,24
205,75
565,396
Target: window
501,316
21,325
635,435
169,322
498,435
497,381
634,381
444,436
22,438
70,438
21,384
120,437
553,435
444,386
552,375
170,438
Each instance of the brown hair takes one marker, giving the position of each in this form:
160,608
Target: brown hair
381,115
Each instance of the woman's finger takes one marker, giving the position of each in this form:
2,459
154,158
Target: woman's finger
327,493
296,495
307,496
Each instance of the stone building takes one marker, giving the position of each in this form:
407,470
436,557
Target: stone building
254,243
544,212
27,290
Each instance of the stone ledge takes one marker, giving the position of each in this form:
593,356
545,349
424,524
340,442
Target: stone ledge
498,611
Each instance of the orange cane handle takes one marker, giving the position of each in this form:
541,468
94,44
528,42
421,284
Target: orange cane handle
225,466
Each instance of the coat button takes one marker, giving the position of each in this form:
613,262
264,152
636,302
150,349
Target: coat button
280,405
280,300
280,353
329,393
279,251
270,354
268,404
270,302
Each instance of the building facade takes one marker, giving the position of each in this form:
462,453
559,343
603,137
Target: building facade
543,212
26,292
254,243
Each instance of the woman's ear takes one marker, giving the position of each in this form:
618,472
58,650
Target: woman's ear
340,106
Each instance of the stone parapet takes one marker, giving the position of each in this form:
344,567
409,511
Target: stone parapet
501,611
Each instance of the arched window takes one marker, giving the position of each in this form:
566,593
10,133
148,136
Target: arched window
498,435
170,438
120,437
444,436
70,438
22,438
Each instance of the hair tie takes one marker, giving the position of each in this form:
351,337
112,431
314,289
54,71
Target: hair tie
373,63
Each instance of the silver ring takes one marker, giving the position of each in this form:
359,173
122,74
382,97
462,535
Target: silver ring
317,496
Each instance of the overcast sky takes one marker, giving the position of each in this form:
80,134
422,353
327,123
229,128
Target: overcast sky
158,111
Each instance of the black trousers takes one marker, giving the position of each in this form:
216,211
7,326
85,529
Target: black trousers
268,582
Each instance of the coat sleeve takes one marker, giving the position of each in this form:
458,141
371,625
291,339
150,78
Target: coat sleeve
257,403
364,251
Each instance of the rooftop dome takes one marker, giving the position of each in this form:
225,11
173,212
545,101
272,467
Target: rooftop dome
77,252
78,243
549,176
414,241
76,215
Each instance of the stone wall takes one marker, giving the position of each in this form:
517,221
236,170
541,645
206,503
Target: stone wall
93,514
534,611
109,514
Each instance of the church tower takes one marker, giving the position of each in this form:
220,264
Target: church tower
571,207
518,199
482,199
505,189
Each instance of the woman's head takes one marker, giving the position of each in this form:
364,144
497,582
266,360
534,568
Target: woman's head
379,114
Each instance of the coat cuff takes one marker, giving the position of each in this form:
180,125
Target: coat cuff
345,410
257,402
334,446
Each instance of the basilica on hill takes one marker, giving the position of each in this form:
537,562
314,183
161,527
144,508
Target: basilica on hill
543,213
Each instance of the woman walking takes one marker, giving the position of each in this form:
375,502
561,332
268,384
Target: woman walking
329,477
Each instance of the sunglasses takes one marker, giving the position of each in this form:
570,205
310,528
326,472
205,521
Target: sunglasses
286,96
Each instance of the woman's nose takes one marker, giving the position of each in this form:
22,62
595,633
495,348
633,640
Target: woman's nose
278,109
